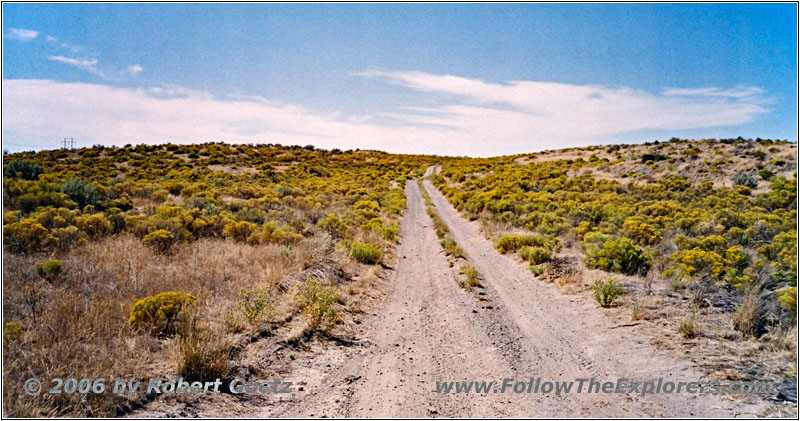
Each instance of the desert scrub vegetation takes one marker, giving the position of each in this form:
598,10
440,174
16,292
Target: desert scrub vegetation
234,227
606,291
366,253
317,301
161,313
710,220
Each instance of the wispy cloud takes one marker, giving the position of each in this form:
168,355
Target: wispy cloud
22,34
135,69
89,65
472,116
737,92
68,46
536,112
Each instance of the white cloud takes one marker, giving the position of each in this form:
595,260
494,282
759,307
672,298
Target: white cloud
89,65
42,111
737,92
538,112
476,118
22,34
135,69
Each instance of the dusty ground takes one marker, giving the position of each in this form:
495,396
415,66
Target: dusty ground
429,330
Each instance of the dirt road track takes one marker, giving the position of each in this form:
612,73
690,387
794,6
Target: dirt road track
431,330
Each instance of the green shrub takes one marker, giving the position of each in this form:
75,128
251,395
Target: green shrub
162,313
745,180
366,253
765,174
606,291
159,240
50,270
81,191
256,303
618,254
22,168
316,300
535,255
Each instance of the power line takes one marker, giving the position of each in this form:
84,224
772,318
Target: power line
68,141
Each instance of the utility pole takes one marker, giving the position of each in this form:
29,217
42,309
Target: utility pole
68,141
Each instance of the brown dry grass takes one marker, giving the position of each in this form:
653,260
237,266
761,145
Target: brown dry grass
81,328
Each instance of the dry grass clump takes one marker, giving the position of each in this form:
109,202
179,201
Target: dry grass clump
748,319
472,276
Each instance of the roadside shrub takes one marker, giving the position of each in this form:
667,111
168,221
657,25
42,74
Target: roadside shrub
316,300
159,240
367,208
606,291
366,253
618,254
161,314
26,237
334,226
508,243
255,303
387,232
535,255
50,270
691,263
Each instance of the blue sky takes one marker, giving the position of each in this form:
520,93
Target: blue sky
461,79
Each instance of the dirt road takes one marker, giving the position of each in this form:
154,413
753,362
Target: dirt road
430,330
